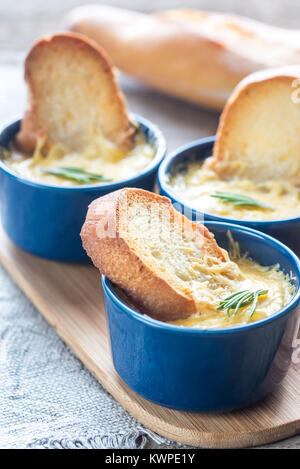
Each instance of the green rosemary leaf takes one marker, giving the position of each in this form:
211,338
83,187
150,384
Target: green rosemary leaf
231,299
240,300
239,200
76,174
255,300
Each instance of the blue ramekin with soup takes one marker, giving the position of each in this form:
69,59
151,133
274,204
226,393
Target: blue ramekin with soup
269,206
196,365
43,205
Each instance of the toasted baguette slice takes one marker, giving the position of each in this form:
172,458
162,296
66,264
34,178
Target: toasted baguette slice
72,92
259,131
144,246
196,55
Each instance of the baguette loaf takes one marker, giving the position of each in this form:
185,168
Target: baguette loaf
144,246
195,55
72,91
259,131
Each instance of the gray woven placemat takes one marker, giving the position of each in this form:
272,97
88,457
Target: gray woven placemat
48,399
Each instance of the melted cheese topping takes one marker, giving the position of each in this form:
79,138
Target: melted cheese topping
211,280
195,185
100,156
238,273
252,277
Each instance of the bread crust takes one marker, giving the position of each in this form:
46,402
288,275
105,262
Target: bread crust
221,160
113,253
194,55
39,115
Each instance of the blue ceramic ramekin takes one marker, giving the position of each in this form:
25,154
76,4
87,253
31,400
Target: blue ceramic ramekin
46,220
207,370
287,230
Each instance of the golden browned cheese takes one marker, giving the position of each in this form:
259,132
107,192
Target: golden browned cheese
218,286
195,186
99,156
253,277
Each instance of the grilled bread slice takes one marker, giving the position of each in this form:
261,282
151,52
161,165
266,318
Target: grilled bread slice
72,94
259,131
145,247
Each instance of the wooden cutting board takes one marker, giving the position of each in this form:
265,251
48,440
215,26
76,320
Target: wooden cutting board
70,299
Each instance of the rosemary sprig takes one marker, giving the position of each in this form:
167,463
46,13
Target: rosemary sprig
239,200
240,300
76,174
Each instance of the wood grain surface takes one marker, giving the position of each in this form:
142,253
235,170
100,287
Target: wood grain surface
70,299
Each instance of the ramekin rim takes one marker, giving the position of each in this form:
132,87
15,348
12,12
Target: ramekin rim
161,150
